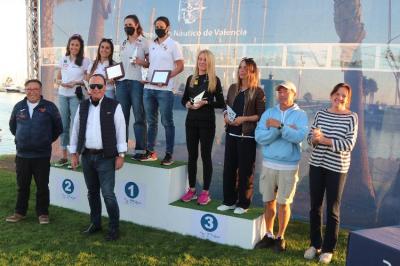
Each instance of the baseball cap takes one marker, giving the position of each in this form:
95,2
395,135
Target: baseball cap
288,85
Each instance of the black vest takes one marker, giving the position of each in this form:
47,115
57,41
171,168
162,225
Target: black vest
108,134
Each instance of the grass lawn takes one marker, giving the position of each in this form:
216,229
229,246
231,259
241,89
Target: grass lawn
60,243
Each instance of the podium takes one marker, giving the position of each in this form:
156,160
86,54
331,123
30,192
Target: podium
378,246
148,194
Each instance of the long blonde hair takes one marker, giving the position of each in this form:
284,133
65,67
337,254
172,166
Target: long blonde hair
252,73
211,75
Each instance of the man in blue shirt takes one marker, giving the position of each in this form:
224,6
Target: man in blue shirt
280,131
36,124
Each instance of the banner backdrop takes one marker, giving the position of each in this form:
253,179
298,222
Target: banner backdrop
315,44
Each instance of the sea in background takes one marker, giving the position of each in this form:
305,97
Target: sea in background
7,102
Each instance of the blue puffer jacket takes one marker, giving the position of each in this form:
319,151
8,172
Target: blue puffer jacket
34,136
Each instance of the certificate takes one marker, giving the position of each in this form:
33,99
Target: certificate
231,113
86,84
198,98
160,77
115,71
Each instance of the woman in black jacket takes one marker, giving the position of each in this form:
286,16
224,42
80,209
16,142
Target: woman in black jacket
203,93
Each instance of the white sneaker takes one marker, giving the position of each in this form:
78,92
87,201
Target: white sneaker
239,210
311,252
325,257
224,207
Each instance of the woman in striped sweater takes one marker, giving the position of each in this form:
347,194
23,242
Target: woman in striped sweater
333,135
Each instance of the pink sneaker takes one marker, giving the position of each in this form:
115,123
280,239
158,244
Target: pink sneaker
189,195
204,198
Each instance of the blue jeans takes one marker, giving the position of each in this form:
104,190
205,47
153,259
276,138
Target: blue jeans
68,107
99,172
129,93
154,99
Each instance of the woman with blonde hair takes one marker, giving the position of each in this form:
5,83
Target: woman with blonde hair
203,93
245,105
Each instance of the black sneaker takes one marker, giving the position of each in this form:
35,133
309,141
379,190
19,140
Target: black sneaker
265,242
167,159
137,156
279,245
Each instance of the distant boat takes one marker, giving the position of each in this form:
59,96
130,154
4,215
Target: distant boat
13,89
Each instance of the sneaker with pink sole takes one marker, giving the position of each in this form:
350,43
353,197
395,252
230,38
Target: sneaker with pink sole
189,195
204,198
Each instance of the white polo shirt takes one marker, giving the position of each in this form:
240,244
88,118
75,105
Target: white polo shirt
127,50
71,72
162,57
100,69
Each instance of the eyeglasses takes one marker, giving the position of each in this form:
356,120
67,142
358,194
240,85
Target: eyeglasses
94,86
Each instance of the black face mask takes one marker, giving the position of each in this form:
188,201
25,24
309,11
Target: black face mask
129,30
161,33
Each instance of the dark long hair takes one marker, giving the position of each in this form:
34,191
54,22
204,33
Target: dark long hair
135,19
98,57
79,57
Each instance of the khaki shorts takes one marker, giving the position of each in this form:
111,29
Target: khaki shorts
278,184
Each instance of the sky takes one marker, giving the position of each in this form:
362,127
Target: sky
13,53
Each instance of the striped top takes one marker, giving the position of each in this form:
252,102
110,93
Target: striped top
342,129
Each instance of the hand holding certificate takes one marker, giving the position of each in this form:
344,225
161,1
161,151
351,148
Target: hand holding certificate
115,71
160,77
230,113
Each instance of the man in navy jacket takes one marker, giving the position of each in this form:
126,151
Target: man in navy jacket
36,124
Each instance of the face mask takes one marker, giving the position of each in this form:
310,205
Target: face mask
161,33
129,30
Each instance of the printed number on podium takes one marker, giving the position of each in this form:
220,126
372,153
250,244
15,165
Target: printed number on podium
209,223
68,186
131,190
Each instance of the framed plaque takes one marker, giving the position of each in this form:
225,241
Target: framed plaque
115,71
160,77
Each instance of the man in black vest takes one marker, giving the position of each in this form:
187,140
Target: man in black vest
99,134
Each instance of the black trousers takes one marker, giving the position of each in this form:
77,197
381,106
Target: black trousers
323,180
39,168
204,135
238,177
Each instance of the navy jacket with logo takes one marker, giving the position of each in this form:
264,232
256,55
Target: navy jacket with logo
34,136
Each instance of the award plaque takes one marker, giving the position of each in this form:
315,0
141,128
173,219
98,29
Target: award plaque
115,71
160,77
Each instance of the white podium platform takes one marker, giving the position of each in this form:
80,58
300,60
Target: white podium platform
148,194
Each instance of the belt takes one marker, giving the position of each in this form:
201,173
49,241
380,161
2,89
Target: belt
93,151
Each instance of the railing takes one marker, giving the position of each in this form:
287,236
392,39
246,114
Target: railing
320,56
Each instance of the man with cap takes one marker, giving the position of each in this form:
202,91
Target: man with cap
280,131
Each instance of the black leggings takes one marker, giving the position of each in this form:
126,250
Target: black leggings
238,177
194,134
323,180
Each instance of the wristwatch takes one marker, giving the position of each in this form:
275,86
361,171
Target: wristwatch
122,155
281,126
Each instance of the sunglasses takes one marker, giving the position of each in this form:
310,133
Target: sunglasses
106,39
94,86
247,59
